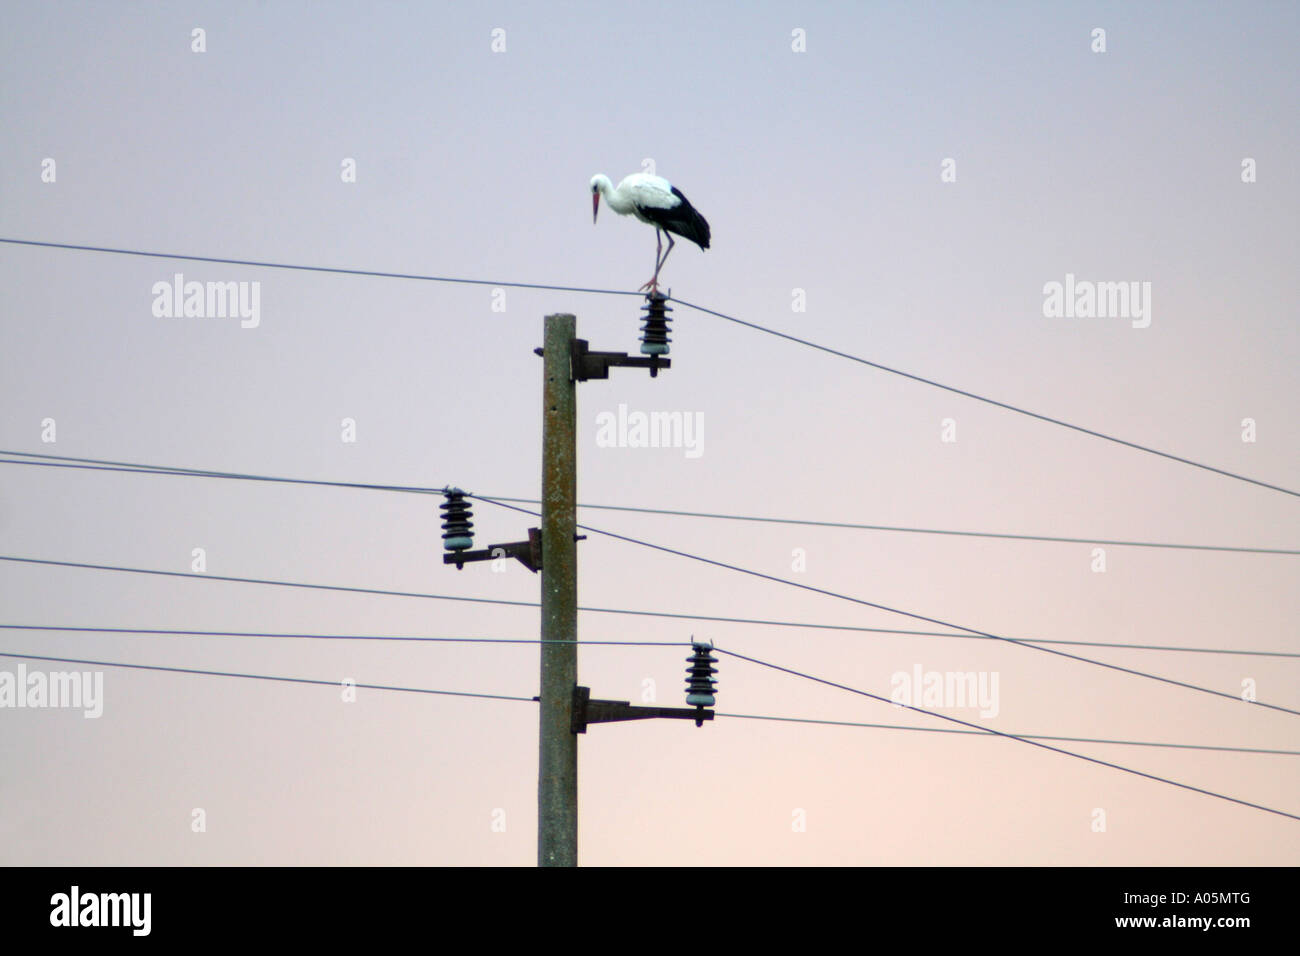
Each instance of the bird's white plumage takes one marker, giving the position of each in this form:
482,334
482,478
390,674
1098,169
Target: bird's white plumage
636,192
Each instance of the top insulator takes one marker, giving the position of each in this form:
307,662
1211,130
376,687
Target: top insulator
654,334
456,524
699,680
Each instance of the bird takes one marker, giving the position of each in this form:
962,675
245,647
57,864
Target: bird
656,201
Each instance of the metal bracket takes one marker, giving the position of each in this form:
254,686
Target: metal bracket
587,711
585,365
588,365
529,553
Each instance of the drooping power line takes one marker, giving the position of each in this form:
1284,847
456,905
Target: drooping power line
805,522
673,615
303,635
797,720
1019,410
268,677
330,269
99,464
912,614
984,733
1032,742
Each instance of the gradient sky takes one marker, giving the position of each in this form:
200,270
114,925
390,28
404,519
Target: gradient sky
819,171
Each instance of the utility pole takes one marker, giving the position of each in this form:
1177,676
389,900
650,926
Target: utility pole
567,709
557,766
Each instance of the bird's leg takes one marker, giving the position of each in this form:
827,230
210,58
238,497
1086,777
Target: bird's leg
653,284
665,258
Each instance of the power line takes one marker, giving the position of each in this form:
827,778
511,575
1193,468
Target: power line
478,640
97,464
964,637
881,527
302,268
271,677
483,696
287,584
673,615
690,305
81,629
1000,733
981,398
911,614
101,464
985,733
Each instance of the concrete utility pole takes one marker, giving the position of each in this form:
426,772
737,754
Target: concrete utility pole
566,708
557,767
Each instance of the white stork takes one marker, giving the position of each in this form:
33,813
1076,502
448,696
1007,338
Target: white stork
656,201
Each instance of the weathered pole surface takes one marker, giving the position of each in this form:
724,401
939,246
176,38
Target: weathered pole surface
557,768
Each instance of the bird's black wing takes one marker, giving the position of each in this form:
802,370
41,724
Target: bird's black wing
682,219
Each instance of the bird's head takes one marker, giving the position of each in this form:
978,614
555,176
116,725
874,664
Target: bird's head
599,183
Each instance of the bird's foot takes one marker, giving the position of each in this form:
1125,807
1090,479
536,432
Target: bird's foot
652,286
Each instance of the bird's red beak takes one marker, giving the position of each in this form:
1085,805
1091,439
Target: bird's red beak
595,206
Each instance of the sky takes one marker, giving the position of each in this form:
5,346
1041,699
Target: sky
898,182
